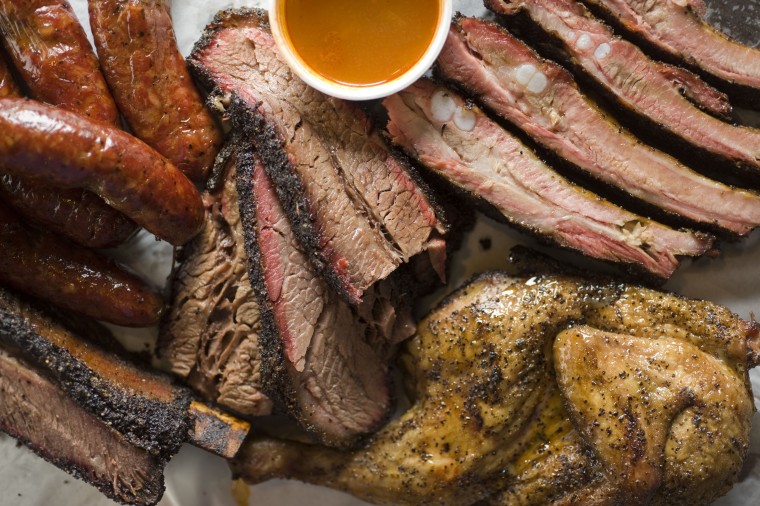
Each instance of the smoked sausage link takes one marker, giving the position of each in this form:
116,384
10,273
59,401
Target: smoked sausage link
72,277
151,84
52,146
78,215
53,57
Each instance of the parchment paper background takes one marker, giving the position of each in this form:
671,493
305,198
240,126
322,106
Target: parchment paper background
195,478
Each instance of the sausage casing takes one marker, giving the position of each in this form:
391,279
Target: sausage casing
78,215
52,146
72,277
151,84
53,57
8,86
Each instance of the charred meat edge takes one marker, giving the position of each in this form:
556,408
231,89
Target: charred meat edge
42,417
278,383
144,406
615,243
613,156
269,145
683,36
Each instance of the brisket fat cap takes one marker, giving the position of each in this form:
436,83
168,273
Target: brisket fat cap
42,416
317,360
357,209
145,406
542,99
638,84
210,335
460,143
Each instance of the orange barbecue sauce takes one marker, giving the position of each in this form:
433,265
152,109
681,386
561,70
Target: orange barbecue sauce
360,42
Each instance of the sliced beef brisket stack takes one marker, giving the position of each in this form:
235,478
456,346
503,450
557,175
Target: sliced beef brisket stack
357,209
210,337
542,99
323,359
289,294
460,143
638,84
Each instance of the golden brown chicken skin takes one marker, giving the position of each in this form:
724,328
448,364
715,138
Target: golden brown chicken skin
551,390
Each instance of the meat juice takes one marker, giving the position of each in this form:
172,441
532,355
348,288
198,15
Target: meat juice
360,43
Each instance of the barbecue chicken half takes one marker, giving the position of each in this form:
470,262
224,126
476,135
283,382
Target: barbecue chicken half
551,390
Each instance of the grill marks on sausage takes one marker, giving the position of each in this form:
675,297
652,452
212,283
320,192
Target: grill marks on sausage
489,62
210,335
148,76
56,147
486,161
356,208
319,357
637,83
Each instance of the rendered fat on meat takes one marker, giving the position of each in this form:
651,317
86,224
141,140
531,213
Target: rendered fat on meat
638,83
210,335
324,361
542,99
461,144
678,30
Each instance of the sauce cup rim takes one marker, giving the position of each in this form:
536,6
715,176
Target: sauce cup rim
369,92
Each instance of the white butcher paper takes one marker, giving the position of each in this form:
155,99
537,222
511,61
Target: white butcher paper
195,478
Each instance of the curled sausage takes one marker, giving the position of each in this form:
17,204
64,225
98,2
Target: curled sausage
48,145
150,82
72,277
51,53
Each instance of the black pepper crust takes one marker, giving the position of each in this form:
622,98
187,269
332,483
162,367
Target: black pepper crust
153,424
147,492
276,382
275,368
251,122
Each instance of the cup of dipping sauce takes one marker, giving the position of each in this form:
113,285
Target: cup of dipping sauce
360,49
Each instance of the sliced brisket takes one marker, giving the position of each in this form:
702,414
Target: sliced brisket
40,414
637,83
323,361
210,335
457,141
542,99
355,207
679,30
144,406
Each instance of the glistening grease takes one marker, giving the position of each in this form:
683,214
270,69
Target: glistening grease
360,43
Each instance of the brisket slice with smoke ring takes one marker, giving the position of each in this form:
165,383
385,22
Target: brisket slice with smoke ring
210,336
323,360
39,414
542,99
634,81
457,141
143,405
678,31
357,209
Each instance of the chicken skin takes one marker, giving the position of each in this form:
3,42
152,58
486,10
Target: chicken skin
551,390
